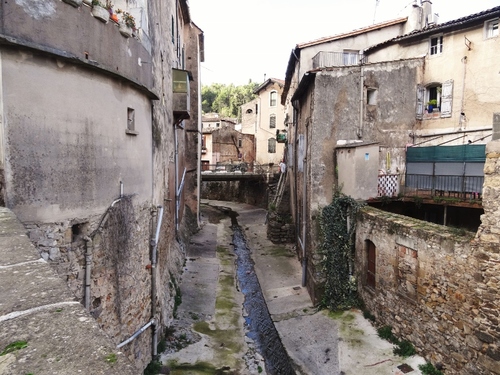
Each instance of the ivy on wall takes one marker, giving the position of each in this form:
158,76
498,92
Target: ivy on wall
338,224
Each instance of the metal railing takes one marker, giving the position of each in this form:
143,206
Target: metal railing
463,186
240,168
324,59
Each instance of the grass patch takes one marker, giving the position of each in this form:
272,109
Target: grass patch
111,358
14,346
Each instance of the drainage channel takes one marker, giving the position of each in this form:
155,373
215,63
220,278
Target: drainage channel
259,323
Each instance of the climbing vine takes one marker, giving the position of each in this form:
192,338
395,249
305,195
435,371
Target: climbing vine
338,222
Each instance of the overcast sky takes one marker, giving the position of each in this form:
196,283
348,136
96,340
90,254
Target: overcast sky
252,39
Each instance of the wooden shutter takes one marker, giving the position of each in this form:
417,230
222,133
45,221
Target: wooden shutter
420,102
446,98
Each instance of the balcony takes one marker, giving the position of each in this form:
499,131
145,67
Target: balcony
181,99
326,59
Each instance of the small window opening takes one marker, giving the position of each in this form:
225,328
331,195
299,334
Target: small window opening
240,142
78,231
371,96
371,264
131,122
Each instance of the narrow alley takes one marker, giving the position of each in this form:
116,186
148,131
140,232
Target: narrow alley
213,331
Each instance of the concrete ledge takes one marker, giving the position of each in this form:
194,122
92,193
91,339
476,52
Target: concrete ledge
37,307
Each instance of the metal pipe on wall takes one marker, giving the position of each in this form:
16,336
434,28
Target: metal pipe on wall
137,333
154,253
304,207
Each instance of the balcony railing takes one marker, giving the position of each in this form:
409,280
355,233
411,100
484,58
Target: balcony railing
240,168
326,59
466,187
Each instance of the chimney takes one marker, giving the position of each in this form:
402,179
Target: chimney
427,12
416,20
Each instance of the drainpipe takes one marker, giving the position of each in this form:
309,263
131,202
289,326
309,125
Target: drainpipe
462,111
88,265
154,252
137,333
304,206
361,100
88,249
176,178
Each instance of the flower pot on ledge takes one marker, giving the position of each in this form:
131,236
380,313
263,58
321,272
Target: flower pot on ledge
125,30
102,14
75,3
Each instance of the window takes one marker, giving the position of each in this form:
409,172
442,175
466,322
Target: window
433,98
273,96
350,57
271,145
436,46
173,30
240,143
249,110
491,28
371,264
131,122
371,97
272,121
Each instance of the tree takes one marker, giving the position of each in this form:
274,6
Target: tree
226,100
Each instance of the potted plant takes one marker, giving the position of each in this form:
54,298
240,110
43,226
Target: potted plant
127,24
99,11
75,3
431,104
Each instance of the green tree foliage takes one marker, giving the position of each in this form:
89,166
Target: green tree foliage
226,100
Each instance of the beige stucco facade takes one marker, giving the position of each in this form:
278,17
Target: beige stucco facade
467,63
262,117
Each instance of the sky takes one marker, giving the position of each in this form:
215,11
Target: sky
251,40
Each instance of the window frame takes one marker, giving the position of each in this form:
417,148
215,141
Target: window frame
438,47
371,265
271,145
273,98
272,121
489,29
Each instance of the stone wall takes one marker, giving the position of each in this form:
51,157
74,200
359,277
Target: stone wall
426,281
438,286
280,224
120,281
245,191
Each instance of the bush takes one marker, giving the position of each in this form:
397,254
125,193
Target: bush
429,369
404,349
385,333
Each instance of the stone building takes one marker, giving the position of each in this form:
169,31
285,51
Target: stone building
435,285
97,156
264,117
382,94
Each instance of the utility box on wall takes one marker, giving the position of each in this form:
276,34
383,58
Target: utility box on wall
357,169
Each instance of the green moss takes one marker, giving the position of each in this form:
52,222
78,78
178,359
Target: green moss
111,358
198,368
14,346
